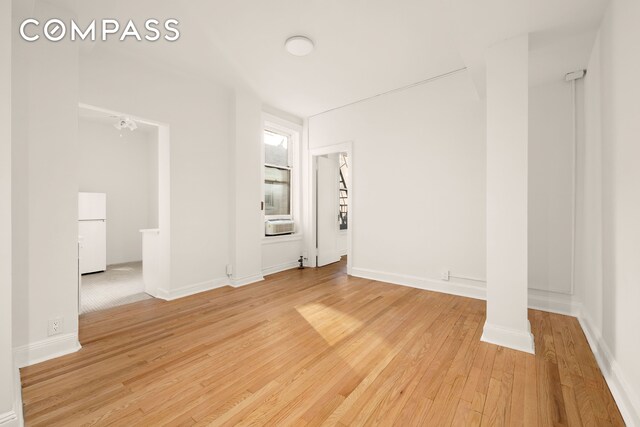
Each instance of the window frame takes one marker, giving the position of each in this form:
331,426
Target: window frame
276,125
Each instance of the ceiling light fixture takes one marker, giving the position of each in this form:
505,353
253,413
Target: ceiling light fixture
299,45
125,123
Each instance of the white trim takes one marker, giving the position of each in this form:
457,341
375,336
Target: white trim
17,393
280,267
85,106
459,289
243,281
345,251
164,191
9,418
343,147
538,300
627,401
398,89
554,303
511,338
186,291
281,239
281,122
541,288
49,348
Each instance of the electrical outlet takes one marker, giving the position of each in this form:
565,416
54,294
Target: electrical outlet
55,326
446,275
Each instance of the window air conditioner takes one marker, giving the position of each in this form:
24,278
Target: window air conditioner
274,227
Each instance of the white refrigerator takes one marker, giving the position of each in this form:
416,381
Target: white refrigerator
92,232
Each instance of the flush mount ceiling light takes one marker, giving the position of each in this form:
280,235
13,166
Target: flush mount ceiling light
299,45
125,123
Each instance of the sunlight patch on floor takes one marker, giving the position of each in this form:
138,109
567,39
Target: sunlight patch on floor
328,322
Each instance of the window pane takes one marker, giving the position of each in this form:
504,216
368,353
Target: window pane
277,199
276,149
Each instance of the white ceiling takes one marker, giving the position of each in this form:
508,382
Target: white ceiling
561,33
363,47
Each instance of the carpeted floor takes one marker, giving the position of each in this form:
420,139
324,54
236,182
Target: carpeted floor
120,284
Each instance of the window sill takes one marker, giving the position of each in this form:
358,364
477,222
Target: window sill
266,240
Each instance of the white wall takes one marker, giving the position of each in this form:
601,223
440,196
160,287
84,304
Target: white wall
152,178
280,254
246,252
418,181
210,127
610,207
199,116
550,186
121,168
7,410
589,202
44,189
45,174
444,194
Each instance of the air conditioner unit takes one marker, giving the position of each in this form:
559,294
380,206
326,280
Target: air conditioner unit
274,227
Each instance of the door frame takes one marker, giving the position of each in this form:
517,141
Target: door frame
343,147
164,193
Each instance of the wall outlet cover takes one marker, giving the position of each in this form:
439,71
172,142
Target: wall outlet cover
55,326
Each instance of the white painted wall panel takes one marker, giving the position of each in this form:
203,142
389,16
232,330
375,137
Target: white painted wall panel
6,353
419,178
610,208
45,183
550,186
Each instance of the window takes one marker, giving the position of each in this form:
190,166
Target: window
277,174
343,214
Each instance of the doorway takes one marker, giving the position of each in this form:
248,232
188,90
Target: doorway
332,205
122,208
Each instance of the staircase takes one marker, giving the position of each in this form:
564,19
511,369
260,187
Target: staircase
344,194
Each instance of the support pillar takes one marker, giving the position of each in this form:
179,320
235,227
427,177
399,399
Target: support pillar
507,187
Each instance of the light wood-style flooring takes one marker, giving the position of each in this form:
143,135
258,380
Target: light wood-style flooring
316,347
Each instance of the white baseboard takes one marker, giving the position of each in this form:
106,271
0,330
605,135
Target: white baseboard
243,281
208,285
515,339
50,348
628,402
539,300
280,267
447,287
17,405
186,291
9,418
554,303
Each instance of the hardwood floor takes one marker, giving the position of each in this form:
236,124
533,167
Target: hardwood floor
315,347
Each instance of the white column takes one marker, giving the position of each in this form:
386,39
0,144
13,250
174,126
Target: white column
246,214
8,415
507,146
